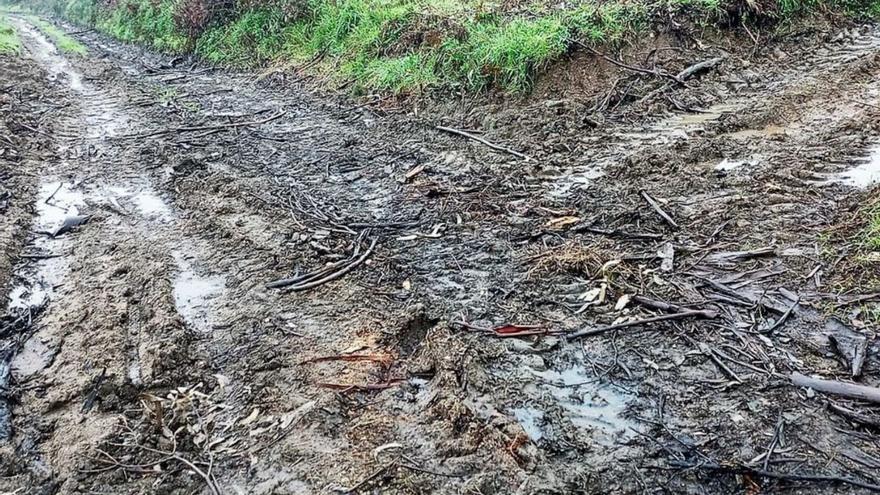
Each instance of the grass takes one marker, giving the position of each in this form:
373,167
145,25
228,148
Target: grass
9,42
147,22
872,230
413,45
64,42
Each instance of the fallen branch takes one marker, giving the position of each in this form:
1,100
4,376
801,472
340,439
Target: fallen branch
675,316
854,416
763,473
367,387
740,255
654,204
622,65
335,275
510,331
215,490
618,233
699,68
205,127
858,299
483,141
665,306
843,389
782,319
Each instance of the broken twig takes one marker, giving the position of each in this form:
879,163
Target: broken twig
763,473
483,141
675,316
654,204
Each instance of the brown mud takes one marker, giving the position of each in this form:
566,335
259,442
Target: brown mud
147,354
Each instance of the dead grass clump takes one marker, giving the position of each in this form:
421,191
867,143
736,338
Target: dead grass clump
571,257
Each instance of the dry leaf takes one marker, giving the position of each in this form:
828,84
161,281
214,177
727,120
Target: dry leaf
251,418
562,222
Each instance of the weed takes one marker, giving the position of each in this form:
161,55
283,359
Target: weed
256,36
9,42
79,11
145,21
872,230
510,53
409,45
397,74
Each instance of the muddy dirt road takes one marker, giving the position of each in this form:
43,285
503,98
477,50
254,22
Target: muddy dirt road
220,283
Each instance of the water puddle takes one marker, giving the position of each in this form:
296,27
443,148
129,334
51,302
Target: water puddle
728,164
193,294
690,120
43,270
863,175
134,372
589,405
580,178
667,131
531,420
144,200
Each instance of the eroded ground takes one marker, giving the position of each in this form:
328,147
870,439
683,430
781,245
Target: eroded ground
148,202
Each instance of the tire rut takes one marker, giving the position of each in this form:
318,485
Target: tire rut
391,368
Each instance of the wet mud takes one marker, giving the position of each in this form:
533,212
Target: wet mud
424,341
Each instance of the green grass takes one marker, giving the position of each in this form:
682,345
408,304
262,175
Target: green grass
256,36
872,230
416,45
144,21
64,42
9,42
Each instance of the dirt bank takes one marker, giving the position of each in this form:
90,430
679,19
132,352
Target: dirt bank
416,334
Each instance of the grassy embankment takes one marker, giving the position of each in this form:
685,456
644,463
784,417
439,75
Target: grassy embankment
414,45
64,42
9,42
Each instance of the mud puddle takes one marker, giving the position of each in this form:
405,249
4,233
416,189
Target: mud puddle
676,128
44,265
194,293
864,175
732,164
587,403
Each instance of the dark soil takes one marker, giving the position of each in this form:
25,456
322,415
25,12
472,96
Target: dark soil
159,361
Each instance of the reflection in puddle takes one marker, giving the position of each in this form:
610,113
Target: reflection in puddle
863,175
193,294
580,178
728,164
665,132
710,114
134,372
150,205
